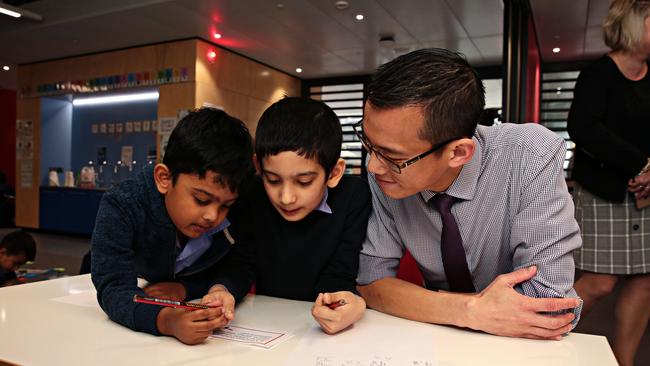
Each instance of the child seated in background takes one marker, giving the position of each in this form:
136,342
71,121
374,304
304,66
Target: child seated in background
16,249
168,226
302,221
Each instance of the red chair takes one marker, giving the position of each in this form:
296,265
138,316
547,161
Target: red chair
409,271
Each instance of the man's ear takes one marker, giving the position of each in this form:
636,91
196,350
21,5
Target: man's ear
163,178
256,163
336,174
461,152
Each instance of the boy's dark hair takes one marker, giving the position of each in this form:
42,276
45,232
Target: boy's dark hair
439,80
19,242
305,126
209,139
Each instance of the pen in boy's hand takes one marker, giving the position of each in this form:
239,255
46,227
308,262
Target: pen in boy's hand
335,305
170,303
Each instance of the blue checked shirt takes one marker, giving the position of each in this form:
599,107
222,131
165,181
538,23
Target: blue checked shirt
514,211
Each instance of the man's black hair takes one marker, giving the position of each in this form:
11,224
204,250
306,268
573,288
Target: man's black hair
440,81
305,126
208,139
19,242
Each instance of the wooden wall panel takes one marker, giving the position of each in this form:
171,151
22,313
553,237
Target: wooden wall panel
244,88
27,199
149,58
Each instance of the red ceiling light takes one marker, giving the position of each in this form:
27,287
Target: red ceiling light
216,35
212,55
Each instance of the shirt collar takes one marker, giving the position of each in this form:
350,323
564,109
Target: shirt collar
323,206
464,186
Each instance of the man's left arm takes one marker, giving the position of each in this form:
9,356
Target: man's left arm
544,231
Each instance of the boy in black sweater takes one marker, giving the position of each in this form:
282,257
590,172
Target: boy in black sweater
301,223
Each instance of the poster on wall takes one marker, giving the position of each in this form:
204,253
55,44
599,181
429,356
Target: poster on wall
94,128
24,128
146,126
24,139
111,128
165,127
154,125
127,155
24,148
119,127
26,173
137,126
128,126
102,128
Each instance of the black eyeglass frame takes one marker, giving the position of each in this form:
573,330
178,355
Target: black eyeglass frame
394,166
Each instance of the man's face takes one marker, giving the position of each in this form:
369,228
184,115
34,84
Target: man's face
196,205
11,262
295,185
394,133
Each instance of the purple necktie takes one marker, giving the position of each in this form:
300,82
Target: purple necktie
451,246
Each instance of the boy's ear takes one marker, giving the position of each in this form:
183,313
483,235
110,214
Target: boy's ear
461,152
163,178
256,163
336,174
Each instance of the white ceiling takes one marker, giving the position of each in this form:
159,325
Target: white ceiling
311,34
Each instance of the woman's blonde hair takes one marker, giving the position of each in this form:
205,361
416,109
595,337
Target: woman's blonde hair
623,28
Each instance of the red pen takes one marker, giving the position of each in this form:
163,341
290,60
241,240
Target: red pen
170,303
335,305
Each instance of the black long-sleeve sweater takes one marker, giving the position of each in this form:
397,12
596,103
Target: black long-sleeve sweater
296,260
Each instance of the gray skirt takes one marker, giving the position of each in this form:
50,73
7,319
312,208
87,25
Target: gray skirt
615,236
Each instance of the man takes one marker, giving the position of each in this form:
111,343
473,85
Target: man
484,211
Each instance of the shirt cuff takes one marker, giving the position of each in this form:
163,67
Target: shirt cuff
372,268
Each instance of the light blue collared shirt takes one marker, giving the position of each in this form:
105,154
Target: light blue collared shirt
323,206
195,248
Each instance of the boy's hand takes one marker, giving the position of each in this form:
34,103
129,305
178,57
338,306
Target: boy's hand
189,326
335,320
220,296
166,290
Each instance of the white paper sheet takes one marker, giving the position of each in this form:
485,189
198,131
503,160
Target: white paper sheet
366,344
250,336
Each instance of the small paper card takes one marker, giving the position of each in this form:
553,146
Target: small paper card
251,337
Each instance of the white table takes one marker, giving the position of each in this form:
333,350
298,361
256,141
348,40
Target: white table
35,330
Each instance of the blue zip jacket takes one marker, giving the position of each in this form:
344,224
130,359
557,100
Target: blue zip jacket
135,237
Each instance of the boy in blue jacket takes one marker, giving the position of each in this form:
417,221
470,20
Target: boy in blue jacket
168,226
302,222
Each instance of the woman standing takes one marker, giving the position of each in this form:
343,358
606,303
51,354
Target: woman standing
610,123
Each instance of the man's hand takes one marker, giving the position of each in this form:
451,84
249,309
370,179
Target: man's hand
335,320
166,290
189,326
220,296
501,310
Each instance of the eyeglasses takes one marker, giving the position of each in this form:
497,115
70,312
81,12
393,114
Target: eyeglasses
392,164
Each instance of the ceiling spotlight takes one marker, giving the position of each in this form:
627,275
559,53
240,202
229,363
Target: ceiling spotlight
556,49
359,17
212,55
5,68
216,35
298,70
341,4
